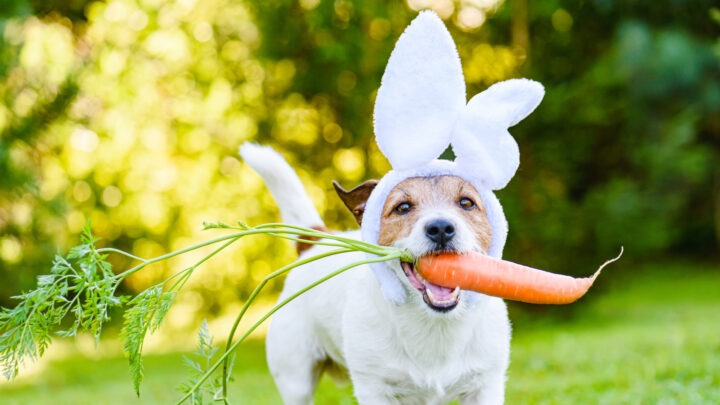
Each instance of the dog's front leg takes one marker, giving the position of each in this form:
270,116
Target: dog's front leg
370,391
490,392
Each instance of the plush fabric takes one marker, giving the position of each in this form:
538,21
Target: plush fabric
421,109
422,91
480,139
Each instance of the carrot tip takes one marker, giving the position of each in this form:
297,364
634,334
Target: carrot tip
597,273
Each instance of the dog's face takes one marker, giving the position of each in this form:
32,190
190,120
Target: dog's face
425,215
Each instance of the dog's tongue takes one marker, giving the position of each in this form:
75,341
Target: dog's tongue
439,293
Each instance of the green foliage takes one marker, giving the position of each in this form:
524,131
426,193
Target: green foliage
19,173
221,225
81,284
621,149
205,354
145,313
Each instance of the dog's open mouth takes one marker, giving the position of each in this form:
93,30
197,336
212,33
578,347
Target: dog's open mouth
439,298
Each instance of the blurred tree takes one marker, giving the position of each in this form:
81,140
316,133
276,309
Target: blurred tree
620,152
625,151
29,108
129,113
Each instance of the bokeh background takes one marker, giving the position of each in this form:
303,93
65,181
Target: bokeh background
128,113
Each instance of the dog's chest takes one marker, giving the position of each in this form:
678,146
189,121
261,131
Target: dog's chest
426,365
428,386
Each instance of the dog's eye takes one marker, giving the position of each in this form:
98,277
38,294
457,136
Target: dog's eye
402,208
466,203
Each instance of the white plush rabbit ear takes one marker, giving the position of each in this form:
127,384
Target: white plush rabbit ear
480,139
508,102
421,95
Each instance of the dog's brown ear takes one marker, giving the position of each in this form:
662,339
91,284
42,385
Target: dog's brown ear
356,198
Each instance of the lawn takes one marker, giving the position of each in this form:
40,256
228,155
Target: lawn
642,339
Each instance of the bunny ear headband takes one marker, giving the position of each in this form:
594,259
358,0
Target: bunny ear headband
421,108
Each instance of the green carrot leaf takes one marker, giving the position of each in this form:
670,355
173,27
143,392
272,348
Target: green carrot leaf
81,285
205,353
145,313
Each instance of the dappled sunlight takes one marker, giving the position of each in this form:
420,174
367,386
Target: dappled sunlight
146,142
167,92
128,114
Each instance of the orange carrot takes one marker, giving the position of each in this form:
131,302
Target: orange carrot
500,278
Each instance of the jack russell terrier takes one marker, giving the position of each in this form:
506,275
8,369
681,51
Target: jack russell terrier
397,337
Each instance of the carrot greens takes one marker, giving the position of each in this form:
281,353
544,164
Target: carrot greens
81,288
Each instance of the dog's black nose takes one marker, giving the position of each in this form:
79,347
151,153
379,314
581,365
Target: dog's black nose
440,231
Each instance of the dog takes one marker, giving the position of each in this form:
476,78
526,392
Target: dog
441,345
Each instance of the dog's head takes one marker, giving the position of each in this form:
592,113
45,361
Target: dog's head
425,204
425,215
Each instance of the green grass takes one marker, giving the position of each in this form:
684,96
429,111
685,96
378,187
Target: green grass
653,340
650,337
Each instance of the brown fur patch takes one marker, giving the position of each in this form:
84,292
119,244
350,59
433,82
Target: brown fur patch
443,192
301,247
356,198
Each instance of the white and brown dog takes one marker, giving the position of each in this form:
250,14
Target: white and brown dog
434,348
399,338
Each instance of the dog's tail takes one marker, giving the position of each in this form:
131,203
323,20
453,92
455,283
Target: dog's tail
295,205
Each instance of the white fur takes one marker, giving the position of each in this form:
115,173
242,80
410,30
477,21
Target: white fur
418,244
393,354
283,183
389,283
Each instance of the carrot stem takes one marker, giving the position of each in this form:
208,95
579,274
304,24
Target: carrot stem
235,345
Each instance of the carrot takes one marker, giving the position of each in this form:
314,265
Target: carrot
504,279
